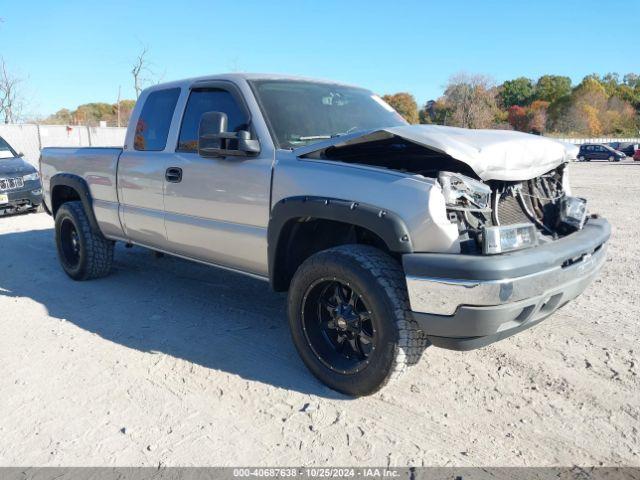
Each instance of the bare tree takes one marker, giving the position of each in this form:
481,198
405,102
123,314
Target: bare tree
471,100
141,71
11,102
118,108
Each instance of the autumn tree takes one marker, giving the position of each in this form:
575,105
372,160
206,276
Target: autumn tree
92,114
405,104
538,116
518,118
471,100
435,112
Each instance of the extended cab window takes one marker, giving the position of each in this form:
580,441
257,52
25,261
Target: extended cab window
209,100
153,125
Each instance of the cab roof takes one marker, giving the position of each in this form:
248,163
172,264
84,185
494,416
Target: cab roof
243,77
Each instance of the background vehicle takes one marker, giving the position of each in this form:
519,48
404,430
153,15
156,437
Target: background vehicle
387,236
636,155
627,148
20,188
592,151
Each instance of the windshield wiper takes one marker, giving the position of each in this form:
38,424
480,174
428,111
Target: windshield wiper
314,137
325,137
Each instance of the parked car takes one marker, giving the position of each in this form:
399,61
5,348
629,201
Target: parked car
627,148
387,236
593,151
636,155
20,188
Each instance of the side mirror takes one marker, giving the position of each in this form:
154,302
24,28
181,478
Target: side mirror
215,141
20,154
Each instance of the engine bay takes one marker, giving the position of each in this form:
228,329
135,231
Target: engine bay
476,205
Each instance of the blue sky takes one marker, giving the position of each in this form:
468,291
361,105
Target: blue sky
76,51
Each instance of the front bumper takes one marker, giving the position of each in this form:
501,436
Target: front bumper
25,198
464,302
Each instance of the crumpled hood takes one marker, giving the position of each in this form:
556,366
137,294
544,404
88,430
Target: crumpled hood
492,154
15,166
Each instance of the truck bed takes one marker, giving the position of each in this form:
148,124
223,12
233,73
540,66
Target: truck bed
98,167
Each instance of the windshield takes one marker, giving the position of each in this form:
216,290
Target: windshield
5,150
300,112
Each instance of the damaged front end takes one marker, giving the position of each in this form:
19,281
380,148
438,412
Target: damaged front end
504,190
500,216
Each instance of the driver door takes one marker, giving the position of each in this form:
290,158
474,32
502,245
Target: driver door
218,210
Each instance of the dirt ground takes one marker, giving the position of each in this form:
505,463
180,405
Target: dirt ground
166,362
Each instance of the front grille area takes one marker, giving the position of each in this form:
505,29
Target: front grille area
10,184
510,212
536,201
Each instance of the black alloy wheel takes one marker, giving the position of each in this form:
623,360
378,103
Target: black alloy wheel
338,326
70,243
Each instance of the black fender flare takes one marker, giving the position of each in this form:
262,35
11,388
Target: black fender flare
80,185
389,226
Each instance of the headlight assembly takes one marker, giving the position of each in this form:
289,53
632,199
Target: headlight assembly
508,238
573,212
31,176
464,192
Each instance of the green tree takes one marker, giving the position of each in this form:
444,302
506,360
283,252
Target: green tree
551,88
631,79
517,92
405,104
610,82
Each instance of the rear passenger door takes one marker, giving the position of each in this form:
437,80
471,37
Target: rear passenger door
141,170
218,210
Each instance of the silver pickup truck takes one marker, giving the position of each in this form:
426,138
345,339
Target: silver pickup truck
388,237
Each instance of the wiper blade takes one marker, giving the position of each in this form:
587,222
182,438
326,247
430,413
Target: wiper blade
314,137
325,137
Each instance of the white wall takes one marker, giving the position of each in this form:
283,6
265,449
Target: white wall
580,141
29,139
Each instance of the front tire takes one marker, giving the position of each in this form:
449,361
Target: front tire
83,253
350,319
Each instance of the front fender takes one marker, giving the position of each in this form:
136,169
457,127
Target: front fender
385,224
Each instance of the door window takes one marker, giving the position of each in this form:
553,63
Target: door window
209,100
153,125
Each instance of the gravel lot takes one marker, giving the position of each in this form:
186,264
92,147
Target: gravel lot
171,363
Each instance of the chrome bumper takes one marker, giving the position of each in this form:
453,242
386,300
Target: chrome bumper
468,301
443,296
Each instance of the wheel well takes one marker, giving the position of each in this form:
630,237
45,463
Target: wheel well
61,194
302,237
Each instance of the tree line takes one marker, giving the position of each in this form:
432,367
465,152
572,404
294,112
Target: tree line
598,105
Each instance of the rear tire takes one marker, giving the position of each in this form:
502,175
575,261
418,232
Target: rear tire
83,253
380,339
